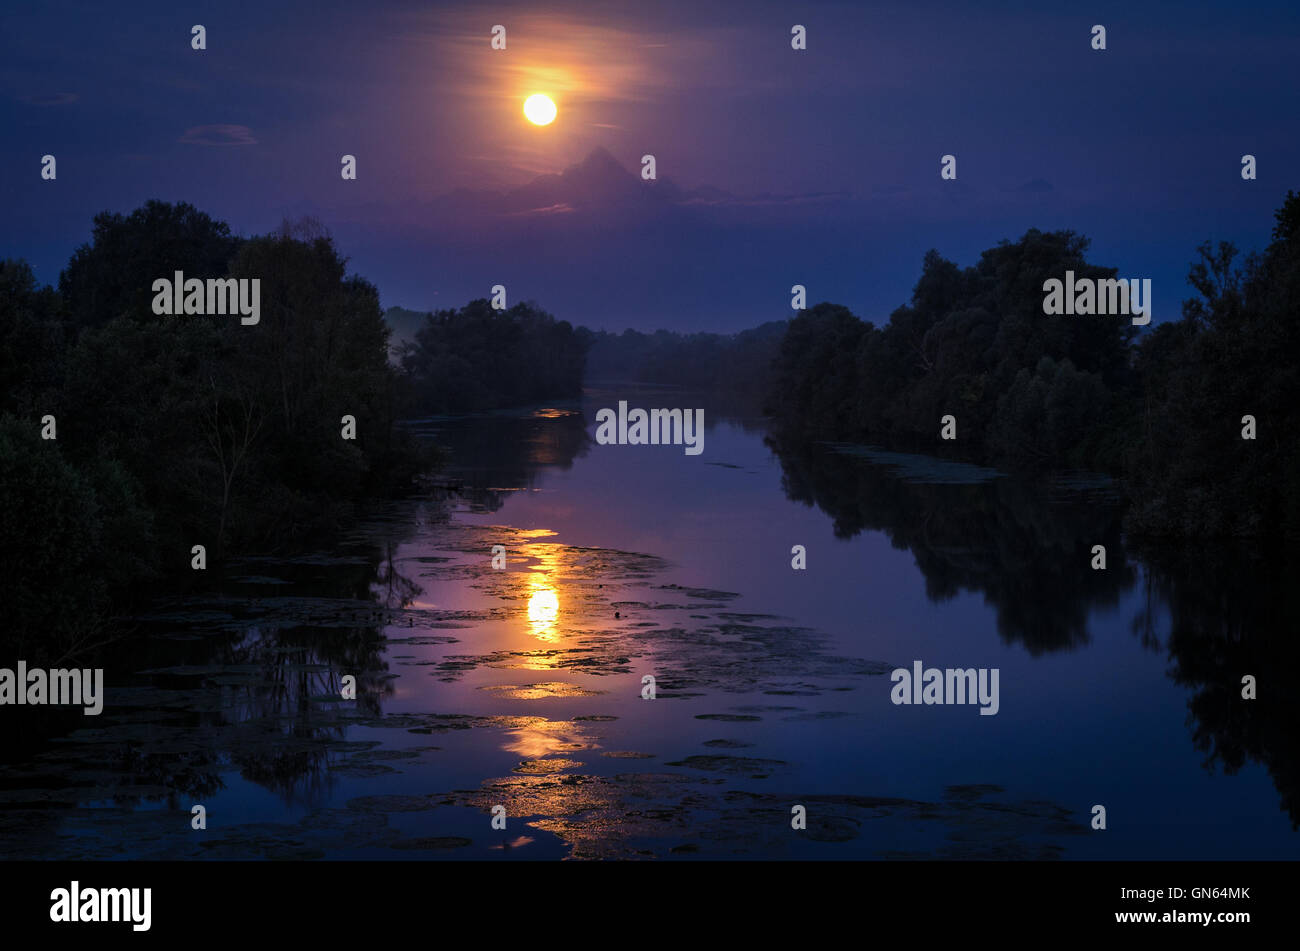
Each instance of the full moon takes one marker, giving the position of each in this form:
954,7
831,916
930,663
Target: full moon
539,109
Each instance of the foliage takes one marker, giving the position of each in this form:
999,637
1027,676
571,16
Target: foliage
176,431
1236,352
739,364
477,358
1036,392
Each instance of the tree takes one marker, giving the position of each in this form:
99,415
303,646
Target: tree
113,275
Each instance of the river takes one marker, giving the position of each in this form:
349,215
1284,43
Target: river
522,687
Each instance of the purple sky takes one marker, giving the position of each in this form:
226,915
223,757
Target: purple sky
775,167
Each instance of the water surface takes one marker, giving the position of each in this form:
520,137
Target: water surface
522,687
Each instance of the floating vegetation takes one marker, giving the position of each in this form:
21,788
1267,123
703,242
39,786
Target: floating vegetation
919,469
753,768
546,766
260,703
624,754
540,691
727,717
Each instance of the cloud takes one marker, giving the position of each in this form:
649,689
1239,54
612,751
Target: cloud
597,196
601,184
707,195
50,99
561,209
568,55
218,135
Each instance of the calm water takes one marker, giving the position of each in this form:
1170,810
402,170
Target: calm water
522,687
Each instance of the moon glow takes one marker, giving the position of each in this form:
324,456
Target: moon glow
539,109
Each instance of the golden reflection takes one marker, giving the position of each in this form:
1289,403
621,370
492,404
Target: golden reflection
543,607
544,745
537,738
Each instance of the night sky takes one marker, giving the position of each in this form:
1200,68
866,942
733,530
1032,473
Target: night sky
775,167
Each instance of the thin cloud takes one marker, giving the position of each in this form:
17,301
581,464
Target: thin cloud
557,209
598,190
218,135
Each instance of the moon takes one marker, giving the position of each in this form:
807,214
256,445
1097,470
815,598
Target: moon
539,109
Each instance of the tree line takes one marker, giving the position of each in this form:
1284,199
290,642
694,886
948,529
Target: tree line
476,358
735,364
171,432
1163,411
